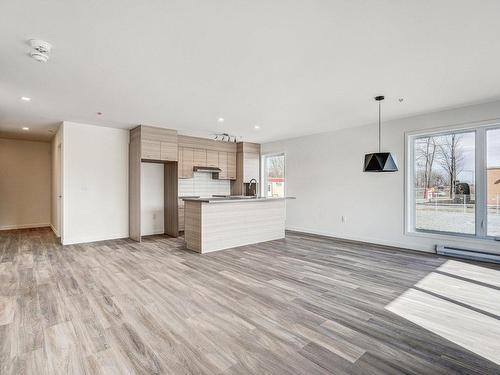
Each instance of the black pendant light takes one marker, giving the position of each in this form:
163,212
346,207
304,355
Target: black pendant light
380,161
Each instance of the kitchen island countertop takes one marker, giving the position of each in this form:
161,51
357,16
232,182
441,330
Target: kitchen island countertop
235,199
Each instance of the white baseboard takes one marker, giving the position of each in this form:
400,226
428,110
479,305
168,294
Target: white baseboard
74,241
360,239
153,233
54,230
24,226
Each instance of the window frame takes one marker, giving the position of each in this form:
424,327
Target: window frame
481,212
263,184
485,140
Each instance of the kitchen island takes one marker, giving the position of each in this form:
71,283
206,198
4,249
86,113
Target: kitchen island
213,224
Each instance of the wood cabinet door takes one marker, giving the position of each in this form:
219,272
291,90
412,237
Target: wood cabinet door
223,165
200,157
250,166
187,162
212,158
179,162
150,150
168,151
231,165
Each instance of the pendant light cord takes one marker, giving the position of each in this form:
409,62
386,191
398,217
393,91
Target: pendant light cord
379,127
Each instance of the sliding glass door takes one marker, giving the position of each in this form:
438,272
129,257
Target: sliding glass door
274,175
444,183
493,182
454,185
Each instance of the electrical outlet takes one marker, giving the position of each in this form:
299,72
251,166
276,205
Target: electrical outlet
154,216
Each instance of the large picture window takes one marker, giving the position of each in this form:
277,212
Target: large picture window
454,184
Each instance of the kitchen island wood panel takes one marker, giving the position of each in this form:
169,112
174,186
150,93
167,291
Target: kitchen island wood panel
216,226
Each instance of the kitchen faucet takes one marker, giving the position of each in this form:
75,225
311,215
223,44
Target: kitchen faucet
254,189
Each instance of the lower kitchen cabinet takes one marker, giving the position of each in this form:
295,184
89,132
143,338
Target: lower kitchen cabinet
181,219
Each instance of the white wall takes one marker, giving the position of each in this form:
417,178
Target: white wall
24,184
152,199
95,183
56,175
324,172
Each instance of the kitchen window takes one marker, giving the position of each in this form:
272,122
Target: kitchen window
274,175
454,182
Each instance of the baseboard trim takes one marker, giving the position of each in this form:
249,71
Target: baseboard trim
370,241
54,230
24,226
94,239
154,233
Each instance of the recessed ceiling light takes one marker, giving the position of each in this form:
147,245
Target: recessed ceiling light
25,99
257,127
220,119
25,128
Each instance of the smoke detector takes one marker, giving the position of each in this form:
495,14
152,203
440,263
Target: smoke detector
41,50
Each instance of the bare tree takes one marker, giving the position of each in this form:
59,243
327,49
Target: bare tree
426,155
451,158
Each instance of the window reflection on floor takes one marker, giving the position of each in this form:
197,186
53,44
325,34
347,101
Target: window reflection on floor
460,302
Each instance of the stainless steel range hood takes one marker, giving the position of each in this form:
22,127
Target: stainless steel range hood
206,169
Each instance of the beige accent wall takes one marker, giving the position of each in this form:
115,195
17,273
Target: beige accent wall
25,183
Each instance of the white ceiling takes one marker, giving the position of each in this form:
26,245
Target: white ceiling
292,66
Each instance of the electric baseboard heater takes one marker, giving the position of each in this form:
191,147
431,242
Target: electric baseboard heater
467,254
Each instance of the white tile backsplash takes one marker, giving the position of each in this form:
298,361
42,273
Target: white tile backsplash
204,185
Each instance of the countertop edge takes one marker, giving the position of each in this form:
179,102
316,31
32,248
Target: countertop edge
212,201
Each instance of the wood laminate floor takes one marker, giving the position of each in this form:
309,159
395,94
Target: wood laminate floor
302,305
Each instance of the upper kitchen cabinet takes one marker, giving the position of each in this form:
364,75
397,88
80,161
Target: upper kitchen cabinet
150,150
223,165
158,144
231,165
168,151
227,165
212,158
200,157
186,167
202,152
